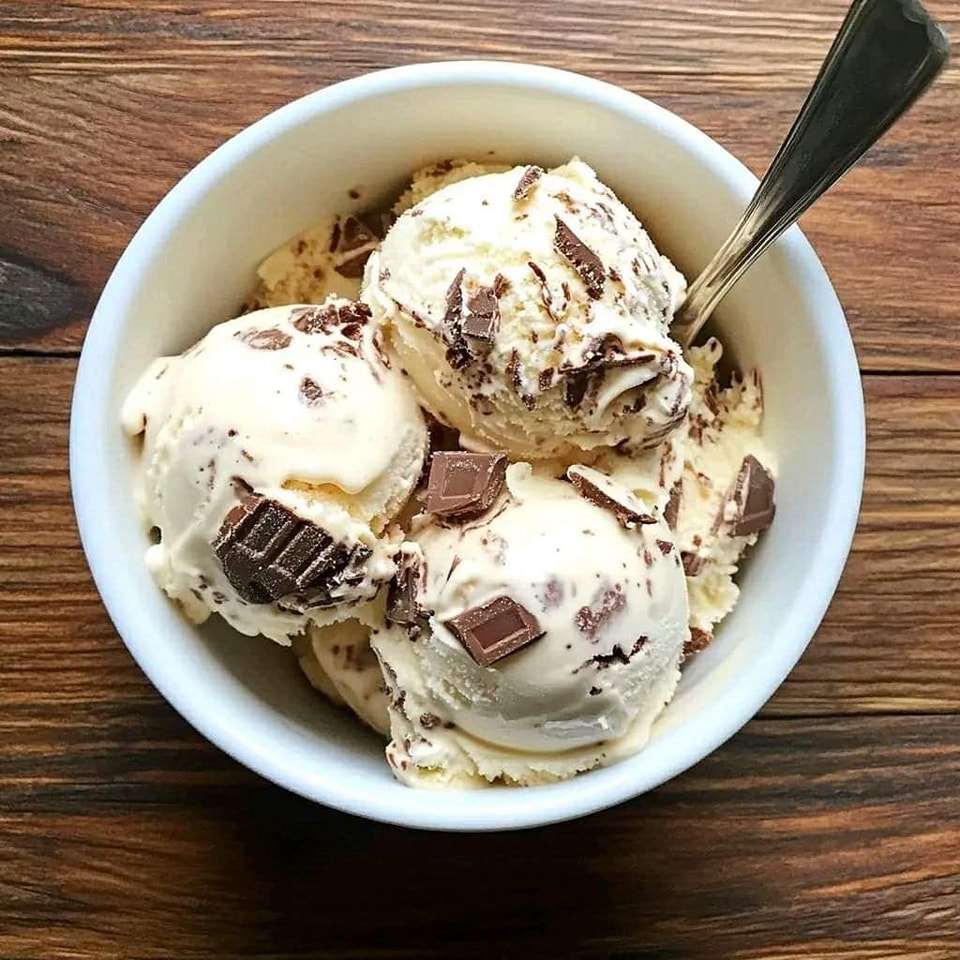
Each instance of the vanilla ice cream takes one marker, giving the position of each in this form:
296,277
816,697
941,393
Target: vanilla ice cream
532,312
274,457
597,602
691,480
338,660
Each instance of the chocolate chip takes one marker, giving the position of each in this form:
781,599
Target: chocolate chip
749,506
481,319
603,492
311,393
464,485
665,547
693,563
494,630
587,264
699,640
268,552
429,720
269,339
403,603
528,178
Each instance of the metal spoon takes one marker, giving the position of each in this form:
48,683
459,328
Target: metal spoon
886,54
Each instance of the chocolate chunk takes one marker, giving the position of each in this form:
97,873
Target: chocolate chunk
575,388
268,552
545,378
429,720
528,178
378,222
587,264
749,506
311,393
481,320
355,234
326,319
603,492
442,437
494,630
352,268
515,378
464,485
693,563
403,604
672,510
665,546
270,339
458,352
699,640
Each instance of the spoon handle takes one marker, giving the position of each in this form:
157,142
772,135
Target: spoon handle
886,54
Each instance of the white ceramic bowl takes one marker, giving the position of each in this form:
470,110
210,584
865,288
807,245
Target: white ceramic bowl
193,260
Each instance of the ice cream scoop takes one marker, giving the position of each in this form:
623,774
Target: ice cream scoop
534,641
274,456
532,312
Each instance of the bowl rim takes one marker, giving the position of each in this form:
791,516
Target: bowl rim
481,809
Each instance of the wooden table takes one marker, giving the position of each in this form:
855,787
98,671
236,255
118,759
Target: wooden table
828,828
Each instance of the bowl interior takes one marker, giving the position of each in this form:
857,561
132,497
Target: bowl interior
194,260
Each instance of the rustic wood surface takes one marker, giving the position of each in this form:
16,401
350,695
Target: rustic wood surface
828,829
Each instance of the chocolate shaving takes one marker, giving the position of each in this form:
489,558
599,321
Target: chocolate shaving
270,339
268,552
699,640
590,620
693,563
403,604
464,485
349,316
603,492
495,629
672,510
528,178
311,393
587,264
749,506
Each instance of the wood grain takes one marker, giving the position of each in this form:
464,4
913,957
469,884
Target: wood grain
90,90
888,643
828,829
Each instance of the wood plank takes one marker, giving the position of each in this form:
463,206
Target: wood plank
887,645
796,828
108,106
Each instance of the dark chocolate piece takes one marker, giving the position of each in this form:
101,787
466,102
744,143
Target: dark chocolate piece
481,319
464,485
271,339
751,498
587,264
268,552
378,222
693,563
403,605
575,388
494,630
528,178
603,492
